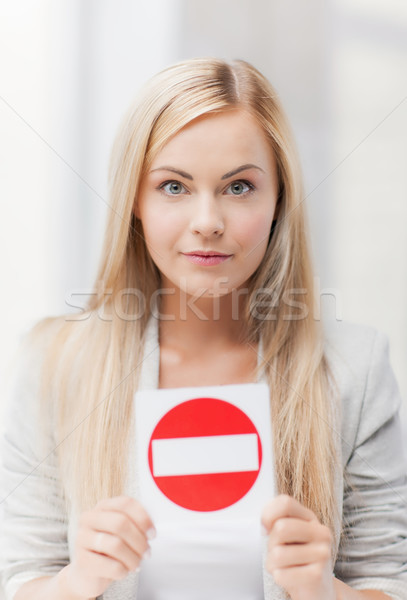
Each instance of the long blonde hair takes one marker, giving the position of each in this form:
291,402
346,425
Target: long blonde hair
92,364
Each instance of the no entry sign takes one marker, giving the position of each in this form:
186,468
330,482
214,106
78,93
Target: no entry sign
205,454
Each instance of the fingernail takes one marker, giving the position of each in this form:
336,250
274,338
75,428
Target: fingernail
264,531
137,569
147,553
151,533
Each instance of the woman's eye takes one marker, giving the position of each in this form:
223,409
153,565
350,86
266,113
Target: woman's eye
173,188
237,188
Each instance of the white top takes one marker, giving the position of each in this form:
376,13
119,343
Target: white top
220,561
231,567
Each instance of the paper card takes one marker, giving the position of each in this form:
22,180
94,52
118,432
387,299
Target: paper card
204,453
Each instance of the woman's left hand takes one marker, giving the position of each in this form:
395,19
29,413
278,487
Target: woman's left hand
299,554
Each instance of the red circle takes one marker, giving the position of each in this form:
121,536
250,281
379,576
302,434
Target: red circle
204,417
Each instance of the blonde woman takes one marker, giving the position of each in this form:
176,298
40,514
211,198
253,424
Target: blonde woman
204,256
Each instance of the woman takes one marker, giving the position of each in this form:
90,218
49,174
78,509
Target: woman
204,254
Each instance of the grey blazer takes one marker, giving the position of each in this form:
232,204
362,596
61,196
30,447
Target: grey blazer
37,536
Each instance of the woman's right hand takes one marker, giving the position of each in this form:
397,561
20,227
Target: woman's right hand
111,541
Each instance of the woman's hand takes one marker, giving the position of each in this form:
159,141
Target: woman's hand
111,541
299,550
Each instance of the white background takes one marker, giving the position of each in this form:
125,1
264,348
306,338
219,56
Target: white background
69,69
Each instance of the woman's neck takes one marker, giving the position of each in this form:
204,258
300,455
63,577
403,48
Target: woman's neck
202,342
189,321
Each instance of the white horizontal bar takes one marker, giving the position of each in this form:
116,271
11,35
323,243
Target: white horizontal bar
205,454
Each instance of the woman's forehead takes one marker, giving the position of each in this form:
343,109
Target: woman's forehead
235,133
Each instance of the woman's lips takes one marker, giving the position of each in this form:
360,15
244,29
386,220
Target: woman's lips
206,259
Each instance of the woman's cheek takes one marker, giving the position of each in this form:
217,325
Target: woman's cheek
255,232
161,228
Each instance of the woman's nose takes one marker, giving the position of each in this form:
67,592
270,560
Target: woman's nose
207,218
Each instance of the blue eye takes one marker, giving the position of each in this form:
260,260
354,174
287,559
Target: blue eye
238,188
174,188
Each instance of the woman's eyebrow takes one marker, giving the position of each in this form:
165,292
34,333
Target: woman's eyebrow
226,176
178,171
239,169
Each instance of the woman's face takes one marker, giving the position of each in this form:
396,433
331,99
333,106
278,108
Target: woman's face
207,204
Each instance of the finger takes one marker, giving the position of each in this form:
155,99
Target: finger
113,547
296,555
290,531
100,565
115,523
284,506
135,511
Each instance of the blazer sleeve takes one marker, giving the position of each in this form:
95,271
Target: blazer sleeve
33,536
373,548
